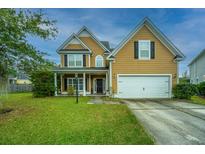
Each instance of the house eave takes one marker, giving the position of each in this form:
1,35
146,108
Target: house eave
79,70
94,37
62,46
195,58
74,52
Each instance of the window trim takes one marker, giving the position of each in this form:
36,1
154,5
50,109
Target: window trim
101,59
68,61
73,84
139,57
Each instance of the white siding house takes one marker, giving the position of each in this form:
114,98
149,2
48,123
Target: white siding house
197,68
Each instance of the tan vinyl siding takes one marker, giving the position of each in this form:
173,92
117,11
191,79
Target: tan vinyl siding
62,60
96,49
87,60
126,64
74,46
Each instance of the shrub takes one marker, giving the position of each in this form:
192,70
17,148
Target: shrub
184,80
185,91
201,88
71,90
43,83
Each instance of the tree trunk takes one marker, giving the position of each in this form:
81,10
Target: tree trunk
3,90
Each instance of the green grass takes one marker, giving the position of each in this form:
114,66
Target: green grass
58,120
198,100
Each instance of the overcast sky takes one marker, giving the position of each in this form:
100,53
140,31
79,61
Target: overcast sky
184,27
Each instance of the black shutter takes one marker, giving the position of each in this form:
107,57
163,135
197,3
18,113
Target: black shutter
152,50
136,49
65,61
84,60
65,84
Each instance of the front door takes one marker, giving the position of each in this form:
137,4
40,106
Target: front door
99,86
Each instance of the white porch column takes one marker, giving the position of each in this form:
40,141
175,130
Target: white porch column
90,83
55,83
106,83
61,83
84,90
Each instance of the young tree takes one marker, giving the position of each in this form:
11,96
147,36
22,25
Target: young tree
15,50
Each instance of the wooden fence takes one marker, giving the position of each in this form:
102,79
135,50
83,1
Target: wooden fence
19,87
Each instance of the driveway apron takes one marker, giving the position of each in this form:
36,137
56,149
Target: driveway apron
171,123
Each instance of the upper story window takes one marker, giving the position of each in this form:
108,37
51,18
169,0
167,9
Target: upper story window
144,49
75,60
99,61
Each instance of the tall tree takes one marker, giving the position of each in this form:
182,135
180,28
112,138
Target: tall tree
16,25
16,53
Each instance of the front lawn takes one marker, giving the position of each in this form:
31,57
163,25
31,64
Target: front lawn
58,120
198,100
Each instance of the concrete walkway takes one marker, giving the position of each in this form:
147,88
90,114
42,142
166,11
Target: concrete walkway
96,100
171,122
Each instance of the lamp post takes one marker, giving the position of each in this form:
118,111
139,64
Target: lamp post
76,81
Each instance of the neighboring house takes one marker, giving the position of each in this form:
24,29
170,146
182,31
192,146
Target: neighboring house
143,65
197,68
20,78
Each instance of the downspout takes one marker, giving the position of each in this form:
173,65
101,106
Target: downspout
177,72
177,63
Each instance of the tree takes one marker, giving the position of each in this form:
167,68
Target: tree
16,25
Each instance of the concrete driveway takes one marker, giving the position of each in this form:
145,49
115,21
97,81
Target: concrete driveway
171,122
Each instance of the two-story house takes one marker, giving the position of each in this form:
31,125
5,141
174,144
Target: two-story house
197,68
143,65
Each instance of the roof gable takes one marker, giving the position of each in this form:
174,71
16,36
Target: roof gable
147,22
84,31
197,57
73,39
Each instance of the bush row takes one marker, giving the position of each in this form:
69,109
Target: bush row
187,90
43,83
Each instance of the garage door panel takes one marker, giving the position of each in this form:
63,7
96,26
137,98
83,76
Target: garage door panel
143,86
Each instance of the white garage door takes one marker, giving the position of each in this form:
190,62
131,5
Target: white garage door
143,86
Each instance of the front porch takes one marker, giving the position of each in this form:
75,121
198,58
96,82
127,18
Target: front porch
92,82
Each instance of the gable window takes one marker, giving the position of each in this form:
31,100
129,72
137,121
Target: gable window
99,61
75,60
144,49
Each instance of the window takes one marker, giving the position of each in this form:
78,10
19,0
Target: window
144,49
75,60
71,60
197,80
99,61
72,82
